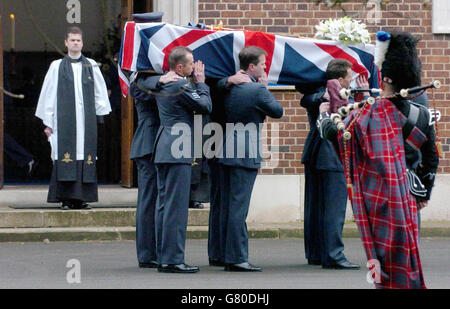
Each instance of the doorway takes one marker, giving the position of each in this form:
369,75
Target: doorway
25,65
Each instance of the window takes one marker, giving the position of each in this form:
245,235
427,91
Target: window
441,12
177,12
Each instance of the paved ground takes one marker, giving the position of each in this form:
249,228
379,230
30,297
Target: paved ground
113,265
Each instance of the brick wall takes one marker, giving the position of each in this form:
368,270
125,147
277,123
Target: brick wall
298,18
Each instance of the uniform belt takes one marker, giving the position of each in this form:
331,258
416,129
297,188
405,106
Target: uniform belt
413,116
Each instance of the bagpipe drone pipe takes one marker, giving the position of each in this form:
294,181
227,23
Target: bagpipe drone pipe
338,97
340,109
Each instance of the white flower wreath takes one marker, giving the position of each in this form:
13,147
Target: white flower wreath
344,30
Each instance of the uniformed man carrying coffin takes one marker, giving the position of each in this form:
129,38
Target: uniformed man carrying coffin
142,153
173,155
246,104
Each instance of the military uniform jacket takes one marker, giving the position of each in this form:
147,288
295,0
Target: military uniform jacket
148,118
247,105
177,103
318,152
424,160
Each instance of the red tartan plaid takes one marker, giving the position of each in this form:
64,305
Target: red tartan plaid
384,209
416,138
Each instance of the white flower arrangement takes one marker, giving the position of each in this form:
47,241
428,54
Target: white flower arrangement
344,30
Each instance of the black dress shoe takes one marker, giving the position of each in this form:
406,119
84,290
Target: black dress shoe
216,262
342,265
81,205
314,262
66,205
152,264
85,206
195,205
246,266
177,268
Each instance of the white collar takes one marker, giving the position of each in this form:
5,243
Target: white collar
74,57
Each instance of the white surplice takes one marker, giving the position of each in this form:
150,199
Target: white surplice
47,106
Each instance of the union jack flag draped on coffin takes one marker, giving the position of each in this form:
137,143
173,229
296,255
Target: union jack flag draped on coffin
290,60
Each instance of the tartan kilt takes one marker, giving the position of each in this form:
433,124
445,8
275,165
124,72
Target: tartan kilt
384,209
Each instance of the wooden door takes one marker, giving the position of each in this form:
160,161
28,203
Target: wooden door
127,114
128,7
1,102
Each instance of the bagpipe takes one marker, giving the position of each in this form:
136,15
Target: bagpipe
340,108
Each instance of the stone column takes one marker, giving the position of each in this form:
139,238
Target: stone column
178,12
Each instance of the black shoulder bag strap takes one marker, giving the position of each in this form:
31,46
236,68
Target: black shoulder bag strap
414,183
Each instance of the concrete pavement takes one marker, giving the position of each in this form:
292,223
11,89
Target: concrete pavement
113,265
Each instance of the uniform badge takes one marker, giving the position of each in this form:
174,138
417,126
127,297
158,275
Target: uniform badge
195,95
67,158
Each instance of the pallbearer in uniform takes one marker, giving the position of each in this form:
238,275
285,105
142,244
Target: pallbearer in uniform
177,103
325,194
215,253
142,153
246,107
73,94
216,250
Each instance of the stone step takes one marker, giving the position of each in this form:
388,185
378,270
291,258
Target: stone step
100,217
262,231
36,196
129,233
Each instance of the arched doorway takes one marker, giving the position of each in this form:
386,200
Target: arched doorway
25,65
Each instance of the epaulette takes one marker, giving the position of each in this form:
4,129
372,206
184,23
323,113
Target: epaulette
427,111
